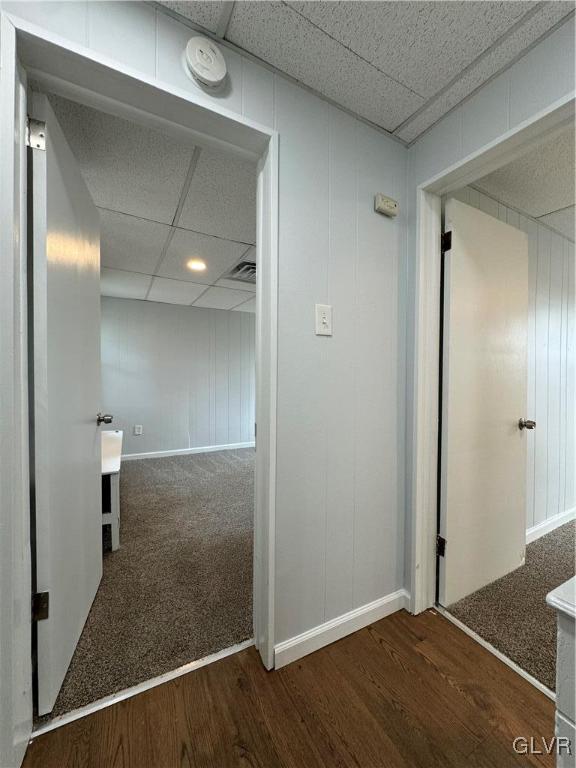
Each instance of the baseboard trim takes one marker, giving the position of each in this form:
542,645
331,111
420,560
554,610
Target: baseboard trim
184,451
546,526
128,693
324,634
495,652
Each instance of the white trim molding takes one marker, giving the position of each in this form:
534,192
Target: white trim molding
546,526
335,629
184,451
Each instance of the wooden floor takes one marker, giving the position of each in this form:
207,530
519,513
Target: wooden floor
406,692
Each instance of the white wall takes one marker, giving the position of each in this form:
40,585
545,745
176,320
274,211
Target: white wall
186,374
540,78
341,400
551,356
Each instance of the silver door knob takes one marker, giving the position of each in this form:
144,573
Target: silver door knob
103,418
526,424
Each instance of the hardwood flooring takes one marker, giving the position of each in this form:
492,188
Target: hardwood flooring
406,692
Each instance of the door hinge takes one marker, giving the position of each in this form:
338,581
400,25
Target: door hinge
446,241
36,134
40,605
440,546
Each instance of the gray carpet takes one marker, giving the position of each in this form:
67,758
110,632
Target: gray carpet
180,586
511,613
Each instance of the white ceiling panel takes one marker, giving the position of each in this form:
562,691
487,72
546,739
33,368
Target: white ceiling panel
127,167
222,197
248,306
401,65
563,221
446,36
221,298
123,285
174,291
218,254
130,243
236,285
205,14
539,182
502,53
282,37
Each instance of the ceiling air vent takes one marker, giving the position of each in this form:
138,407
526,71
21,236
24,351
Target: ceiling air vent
244,272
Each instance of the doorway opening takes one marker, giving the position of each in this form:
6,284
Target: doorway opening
507,499
144,312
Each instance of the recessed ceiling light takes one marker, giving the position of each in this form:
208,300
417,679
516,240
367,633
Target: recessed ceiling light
196,265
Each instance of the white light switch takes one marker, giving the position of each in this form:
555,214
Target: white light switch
323,320
138,430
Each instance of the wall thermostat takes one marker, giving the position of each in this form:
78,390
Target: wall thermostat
385,205
205,61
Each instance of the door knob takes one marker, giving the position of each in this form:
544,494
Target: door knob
526,424
103,418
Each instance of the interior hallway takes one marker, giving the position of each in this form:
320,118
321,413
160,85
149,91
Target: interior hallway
406,692
180,586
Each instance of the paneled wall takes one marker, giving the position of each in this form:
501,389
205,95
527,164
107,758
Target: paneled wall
341,400
186,374
551,358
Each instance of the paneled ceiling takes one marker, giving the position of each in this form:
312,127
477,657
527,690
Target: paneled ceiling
161,204
400,65
541,183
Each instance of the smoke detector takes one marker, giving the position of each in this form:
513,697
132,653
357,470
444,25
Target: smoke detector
205,61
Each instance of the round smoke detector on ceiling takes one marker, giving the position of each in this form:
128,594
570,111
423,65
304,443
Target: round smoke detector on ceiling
205,61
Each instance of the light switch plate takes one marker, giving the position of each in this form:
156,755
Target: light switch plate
323,320
138,429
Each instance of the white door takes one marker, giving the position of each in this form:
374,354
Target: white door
483,457
67,453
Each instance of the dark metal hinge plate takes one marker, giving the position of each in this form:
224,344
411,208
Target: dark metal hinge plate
440,546
40,606
446,241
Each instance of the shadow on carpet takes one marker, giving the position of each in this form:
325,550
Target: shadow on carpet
180,586
511,613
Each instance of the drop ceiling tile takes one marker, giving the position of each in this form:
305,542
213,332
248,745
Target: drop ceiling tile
248,306
127,167
219,255
539,182
563,221
282,37
205,14
236,285
222,197
123,285
494,61
221,298
130,243
174,291
422,45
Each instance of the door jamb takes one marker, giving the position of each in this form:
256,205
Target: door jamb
427,330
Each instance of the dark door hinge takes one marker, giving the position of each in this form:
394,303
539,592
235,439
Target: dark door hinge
40,605
36,134
440,546
446,241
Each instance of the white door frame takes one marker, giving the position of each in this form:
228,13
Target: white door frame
82,74
427,331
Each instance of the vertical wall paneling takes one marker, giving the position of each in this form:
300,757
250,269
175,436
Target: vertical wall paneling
550,454
185,373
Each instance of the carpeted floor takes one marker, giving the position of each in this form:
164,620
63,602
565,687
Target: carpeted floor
180,586
512,614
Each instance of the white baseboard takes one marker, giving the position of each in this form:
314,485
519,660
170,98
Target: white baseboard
549,525
183,451
324,634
